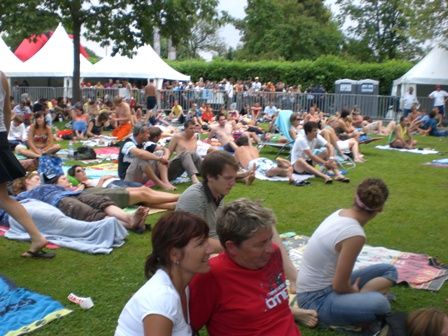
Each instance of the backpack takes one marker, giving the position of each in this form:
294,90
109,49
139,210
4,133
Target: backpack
85,153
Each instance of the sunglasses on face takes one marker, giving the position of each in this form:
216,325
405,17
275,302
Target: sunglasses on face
80,170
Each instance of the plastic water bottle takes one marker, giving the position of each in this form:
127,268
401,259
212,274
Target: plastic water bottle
71,150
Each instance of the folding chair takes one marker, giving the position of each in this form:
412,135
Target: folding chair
282,125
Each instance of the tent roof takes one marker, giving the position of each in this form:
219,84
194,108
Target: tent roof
55,58
9,63
28,47
145,64
432,69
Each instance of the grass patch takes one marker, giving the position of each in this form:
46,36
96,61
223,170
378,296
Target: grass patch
415,219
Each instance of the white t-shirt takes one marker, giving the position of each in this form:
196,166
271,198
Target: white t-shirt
302,143
409,100
439,97
156,296
319,260
17,132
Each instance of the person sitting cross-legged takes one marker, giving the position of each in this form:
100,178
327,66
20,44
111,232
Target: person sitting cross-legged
309,149
140,165
400,137
185,144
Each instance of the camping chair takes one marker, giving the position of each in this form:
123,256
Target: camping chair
282,125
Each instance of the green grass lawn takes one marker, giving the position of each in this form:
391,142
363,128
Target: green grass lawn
415,219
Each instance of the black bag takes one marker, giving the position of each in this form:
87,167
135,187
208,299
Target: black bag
85,153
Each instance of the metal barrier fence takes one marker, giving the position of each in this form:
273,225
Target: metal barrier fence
375,106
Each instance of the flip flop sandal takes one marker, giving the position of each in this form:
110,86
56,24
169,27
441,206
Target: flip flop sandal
330,181
40,254
343,179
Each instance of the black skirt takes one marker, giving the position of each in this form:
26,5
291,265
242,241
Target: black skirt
10,167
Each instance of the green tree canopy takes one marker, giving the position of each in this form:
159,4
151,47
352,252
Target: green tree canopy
379,27
288,29
124,23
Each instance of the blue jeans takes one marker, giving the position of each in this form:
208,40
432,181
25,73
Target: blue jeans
354,308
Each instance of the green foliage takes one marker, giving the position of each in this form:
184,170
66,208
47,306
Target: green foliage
414,220
428,19
378,26
325,70
128,24
287,29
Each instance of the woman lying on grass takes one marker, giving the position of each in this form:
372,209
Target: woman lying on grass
160,307
326,281
76,204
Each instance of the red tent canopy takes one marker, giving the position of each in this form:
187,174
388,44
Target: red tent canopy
28,47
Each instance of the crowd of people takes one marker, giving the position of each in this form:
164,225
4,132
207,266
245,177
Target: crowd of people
217,265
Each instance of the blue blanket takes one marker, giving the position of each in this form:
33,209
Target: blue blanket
22,311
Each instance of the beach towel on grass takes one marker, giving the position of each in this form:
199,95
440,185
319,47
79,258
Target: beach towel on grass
415,151
413,269
22,310
90,237
442,163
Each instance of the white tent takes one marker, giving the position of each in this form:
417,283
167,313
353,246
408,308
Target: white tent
55,58
144,64
431,70
9,63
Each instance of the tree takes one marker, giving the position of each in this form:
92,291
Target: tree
126,24
204,37
428,19
379,25
287,29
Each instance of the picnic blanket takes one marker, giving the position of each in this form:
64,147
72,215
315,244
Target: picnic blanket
22,310
90,237
107,153
442,163
423,151
413,269
296,177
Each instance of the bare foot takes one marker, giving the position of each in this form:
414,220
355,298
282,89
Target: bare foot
138,218
249,179
167,186
36,245
306,317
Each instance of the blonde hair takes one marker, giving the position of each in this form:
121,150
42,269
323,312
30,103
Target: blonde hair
18,185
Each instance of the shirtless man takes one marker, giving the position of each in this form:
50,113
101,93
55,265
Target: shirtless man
122,119
184,144
223,132
151,95
249,158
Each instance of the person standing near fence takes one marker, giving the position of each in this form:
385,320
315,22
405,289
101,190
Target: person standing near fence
409,100
151,95
10,169
439,97
122,118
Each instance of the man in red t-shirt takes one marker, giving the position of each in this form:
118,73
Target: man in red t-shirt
245,291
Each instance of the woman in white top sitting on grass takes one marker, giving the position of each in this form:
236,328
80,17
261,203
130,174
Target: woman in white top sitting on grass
180,249
327,282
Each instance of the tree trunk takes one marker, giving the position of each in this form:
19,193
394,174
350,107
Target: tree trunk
75,12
